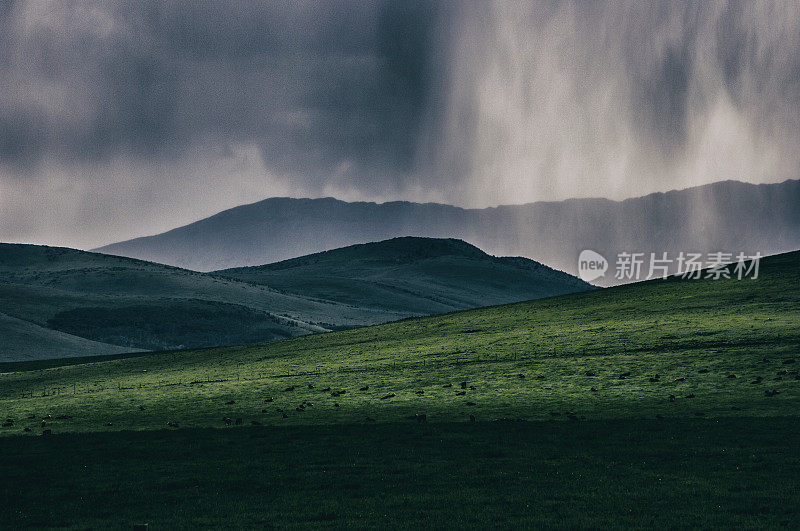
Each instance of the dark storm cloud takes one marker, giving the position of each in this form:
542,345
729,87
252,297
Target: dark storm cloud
124,118
312,83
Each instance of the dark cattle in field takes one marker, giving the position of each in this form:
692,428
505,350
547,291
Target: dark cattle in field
172,424
285,416
472,387
731,375
594,389
624,375
471,403
390,395
757,380
541,377
270,399
672,398
336,404
365,388
461,393
227,421
291,388
420,392
447,385
230,402
142,408
310,386
463,385
520,375
327,389
27,430
589,373
703,371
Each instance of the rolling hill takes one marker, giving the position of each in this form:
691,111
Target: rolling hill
726,216
672,403
65,294
412,275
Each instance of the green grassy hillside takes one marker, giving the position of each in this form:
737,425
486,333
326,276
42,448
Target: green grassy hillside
412,275
710,339
661,404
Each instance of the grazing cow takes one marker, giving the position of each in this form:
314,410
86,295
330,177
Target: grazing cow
463,385
230,402
239,422
447,385
227,421
520,375
420,392
681,379
310,386
285,416
471,403
327,389
461,393
171,424
672,398
264,411
390,395
142,408
336,404
594,389
365,388
589,373
757,380
270,399
624,375
299,408
731,375
703,371
290,388
472,418
279,410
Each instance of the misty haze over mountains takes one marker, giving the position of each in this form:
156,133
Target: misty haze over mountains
726,216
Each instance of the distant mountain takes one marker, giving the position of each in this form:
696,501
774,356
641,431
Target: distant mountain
413,275
725,216
59,302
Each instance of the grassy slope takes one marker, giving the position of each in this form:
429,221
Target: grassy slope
18,337
412,275
703,464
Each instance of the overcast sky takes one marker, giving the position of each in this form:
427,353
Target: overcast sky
120,119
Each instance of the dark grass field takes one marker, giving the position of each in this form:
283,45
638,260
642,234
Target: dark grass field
663,404
728,473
